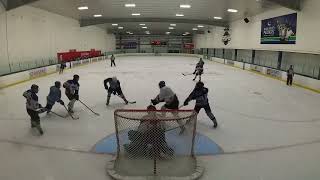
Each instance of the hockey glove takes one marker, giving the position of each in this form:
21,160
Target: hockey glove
42,110
61,102
154,102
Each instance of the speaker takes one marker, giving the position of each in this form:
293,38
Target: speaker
246,20
209,31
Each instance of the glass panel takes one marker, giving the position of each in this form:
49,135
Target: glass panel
267,58
305,64
244,55
229,54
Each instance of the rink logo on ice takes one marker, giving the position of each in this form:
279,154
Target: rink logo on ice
273,73
38,72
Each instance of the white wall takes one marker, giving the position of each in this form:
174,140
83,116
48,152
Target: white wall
4,66
35,34
247,36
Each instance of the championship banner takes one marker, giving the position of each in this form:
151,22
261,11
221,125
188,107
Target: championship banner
279,30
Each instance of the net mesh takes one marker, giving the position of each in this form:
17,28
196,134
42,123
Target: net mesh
155,143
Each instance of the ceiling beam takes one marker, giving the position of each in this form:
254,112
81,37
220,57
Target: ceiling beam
291,4
11,4
96,21
4,3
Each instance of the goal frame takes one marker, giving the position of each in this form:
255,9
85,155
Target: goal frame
199,169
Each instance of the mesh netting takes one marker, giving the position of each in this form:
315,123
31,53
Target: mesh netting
155,143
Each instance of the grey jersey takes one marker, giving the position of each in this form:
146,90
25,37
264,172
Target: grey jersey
32,100
166,95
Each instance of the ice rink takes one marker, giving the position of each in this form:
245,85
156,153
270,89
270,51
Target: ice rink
267,130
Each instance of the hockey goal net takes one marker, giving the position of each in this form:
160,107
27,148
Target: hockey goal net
155,144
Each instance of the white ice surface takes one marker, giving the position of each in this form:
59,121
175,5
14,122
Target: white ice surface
258,117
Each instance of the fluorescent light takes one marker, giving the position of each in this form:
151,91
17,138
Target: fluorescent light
168,32
120,27
185,6
97,15
144,27
142,24
232,10
135,14
195,29
179,15
83,8
173,25
114,24
217,17
130,5
128,32
200,26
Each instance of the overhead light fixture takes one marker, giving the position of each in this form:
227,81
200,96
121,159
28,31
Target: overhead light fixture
168,32
187,33
128,32
195,29
114,24
179,15
185,6
232,10
217,17
135,14
130,5
142,24
83,8
173,25
120,27
200,26
144,27
97,15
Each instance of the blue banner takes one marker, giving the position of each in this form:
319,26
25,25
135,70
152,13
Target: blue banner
279,30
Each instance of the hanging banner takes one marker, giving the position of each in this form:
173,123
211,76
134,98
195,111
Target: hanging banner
279,30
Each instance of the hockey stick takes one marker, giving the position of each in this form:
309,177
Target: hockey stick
187,74
130,102
75,118
58,114
97,114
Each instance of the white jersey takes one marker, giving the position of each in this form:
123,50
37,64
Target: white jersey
166,95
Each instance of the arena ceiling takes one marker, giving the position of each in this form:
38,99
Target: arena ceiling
156,14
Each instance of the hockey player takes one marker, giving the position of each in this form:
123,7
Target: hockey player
54,96
199,70
62,66
112,60
171,101
33,107
149,138
200,94
113,88
72,91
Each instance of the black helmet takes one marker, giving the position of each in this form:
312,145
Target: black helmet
76,76
199,84
57,84
162,84
34,87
